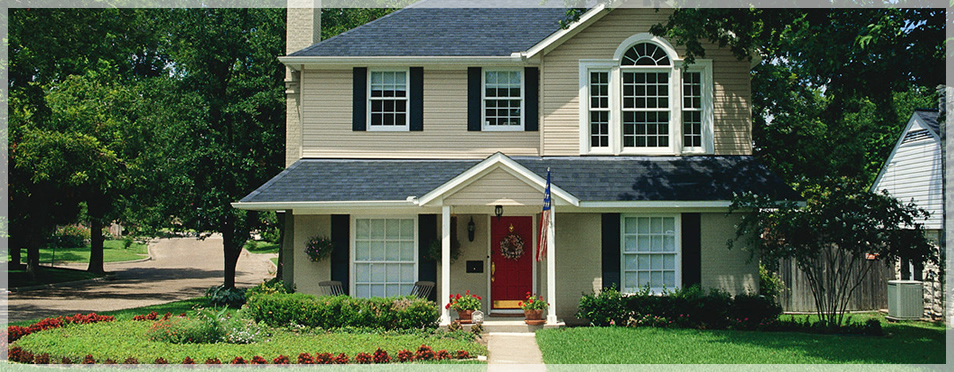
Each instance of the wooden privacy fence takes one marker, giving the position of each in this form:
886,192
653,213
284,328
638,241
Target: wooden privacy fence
872,294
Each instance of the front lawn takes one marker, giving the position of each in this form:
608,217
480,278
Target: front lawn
903,343
122,339
113,251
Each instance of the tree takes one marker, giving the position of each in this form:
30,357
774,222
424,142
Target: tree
815,79
226,61
831,237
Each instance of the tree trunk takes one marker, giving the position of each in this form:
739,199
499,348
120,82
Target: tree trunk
232,242
95,245
33,256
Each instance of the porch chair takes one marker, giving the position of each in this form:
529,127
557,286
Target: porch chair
332,287
422,289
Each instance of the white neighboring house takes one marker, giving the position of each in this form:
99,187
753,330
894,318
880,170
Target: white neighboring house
913,172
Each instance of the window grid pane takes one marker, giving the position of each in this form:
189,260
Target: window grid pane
388,99
389,266
599,109
649,256
645,109
502,98
692,109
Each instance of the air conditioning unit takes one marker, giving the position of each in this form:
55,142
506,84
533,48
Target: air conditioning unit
905,299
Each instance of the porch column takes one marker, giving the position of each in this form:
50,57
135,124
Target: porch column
551,269
445,264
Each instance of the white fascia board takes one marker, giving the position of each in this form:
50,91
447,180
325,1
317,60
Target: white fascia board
557,38
492,162
299,62
884,167
657,204
271,206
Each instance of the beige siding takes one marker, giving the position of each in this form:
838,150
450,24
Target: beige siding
327,106
578,261
496,188
560,78
721,267
308,274
476,250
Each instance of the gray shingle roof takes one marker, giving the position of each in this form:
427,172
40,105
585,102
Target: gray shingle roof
428,31
929,116
697,178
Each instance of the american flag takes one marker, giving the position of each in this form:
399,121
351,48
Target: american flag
544,221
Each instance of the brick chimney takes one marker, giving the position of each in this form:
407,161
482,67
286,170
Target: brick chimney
303,28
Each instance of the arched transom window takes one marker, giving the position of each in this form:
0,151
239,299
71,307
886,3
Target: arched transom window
645,102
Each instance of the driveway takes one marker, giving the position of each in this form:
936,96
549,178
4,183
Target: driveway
180,268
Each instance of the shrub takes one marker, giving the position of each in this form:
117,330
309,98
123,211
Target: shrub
221,296
184,331
341,359
188,360
442,355
405,356
66,360
88,359
42,358
238,360
271,286
463,354
13,353
757,309
72,236
604,308
109,361
363,358
381,356
258,360
330,312
281,359
324,358
213,361
160,360
305,358
424,353
26,357
130,360
476,329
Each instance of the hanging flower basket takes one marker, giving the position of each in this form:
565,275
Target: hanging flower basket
512,246
318,248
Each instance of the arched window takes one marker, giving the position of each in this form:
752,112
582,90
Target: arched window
644,101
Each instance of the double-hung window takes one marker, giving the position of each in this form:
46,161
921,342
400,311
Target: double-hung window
644,101
650,253
387,100
503,99
385,251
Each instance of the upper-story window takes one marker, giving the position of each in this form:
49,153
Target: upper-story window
387,100
503,99
645,102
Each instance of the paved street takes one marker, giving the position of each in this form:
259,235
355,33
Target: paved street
180,268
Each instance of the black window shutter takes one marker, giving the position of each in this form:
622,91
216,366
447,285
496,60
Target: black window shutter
691,249
610,250
531,99
417,99
427,233
359,110
473,98
341,255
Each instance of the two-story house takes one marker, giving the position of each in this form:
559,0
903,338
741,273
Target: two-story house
439,125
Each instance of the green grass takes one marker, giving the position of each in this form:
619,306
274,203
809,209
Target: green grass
112,252
47,275
259,247
275,261
121,339
904,343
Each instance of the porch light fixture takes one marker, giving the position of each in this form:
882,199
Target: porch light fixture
498,211
470,229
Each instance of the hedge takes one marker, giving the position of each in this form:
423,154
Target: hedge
342,311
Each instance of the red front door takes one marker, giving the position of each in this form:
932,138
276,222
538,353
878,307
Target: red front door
511,275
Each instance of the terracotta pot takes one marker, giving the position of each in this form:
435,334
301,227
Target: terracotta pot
534,317
465,316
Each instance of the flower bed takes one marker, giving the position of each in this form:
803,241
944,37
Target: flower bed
16,332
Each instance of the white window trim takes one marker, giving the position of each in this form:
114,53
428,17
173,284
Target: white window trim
353,241
703,66
483,101
677,225
675,98
407,107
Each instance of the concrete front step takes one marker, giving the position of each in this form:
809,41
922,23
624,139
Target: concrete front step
510,325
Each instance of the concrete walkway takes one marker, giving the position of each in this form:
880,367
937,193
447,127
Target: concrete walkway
513,352
180,268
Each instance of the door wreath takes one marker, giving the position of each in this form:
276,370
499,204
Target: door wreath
512,246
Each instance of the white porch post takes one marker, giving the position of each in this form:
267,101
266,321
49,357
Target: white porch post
445,264
551,268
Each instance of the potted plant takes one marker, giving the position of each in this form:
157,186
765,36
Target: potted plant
533,308
318,248
464,305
